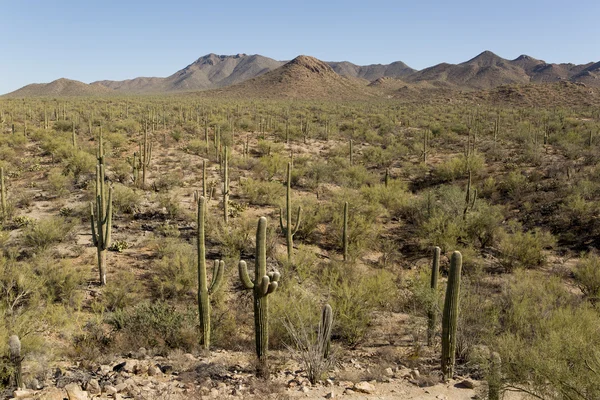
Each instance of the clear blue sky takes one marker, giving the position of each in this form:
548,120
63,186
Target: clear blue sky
90,40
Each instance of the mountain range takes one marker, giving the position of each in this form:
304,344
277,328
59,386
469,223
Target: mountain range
308,77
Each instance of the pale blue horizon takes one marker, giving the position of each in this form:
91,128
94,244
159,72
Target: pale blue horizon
110,40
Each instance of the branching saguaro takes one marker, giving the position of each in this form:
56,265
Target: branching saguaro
145,155
204,290
450,316
288,229
101,214
263,285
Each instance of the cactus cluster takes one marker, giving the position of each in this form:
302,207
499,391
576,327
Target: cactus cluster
263,285
288,229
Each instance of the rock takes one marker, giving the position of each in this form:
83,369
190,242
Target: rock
130,366
120,387
415,374
189,357
154,370
119,367
22,393
166,369
345,384
304,389
34,384
110,390
349,392
93,387
364,387
105,369
465,384
74,392
330,395
53,394
389,372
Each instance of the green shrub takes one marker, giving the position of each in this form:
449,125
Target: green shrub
175,272
156,326
262,193
125,199
524,249
46,232
58,184
587,276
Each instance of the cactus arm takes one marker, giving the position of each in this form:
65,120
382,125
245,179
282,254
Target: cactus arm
264,285
272,287
108,220
325,330
92,219
217,278
281,220
243,271
298,219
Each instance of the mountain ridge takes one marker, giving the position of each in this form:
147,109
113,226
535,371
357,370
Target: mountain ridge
211,71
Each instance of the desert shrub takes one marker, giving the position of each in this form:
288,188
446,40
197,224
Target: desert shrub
483,224
60,279
196,146
121,292
524,249
355,176
122,171
167,181
394,198
587,276
164,327
262,193
548,346
271,166
175,270
513,184
313,214
58,184
125,200
170,203
459,166
46,232
354,297
80,163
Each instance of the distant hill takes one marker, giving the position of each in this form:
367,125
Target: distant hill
488,70
303,78
208,72
485,71
372,72
60,87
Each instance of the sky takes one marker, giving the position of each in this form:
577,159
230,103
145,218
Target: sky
90,40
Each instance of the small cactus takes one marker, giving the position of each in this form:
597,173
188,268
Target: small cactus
263,285
450,316
494,378
4,210
345,232
14,346
325,330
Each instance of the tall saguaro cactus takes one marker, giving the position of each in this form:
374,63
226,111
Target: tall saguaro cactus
204,290
345,232
289,230
432,311
263,285
4,210
450,316
101,221
145,155
225,186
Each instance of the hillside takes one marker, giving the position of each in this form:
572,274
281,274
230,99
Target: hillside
60,87
397,69
208,72
303,78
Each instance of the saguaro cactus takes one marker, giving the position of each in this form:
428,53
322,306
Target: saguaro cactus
432,311
494,378
263,285
145,155
470,197
289,230
325,330
450,316
101,221
14,346
4,210
204,290
225,186
345,232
